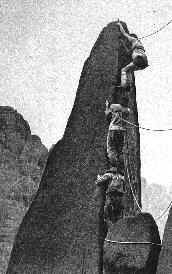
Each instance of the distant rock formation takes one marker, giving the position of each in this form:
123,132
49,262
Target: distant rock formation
60,232
22,161
155,199
132,258
14,130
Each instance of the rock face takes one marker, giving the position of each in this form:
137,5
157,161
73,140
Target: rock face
165,258
132,244
14,130
132,258
22,161
60,232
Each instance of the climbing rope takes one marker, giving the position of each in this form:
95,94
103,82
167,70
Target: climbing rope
144,128
158,30
136,201
129,181
132,191
119,242
164,212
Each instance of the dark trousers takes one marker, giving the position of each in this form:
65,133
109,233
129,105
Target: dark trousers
115,143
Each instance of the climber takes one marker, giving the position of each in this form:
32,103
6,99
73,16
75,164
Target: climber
115,137
139,58
111,177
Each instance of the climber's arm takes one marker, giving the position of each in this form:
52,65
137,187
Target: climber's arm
125,47
130,67
103,179
125,34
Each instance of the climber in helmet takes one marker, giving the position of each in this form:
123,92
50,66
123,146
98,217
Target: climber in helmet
115,136
139,58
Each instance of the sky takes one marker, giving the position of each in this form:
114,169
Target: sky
43,46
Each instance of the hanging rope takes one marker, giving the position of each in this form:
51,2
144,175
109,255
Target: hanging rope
127,171
144,128
134,196
164,212
158,30
137,203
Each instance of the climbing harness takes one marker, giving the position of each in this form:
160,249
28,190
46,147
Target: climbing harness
119,242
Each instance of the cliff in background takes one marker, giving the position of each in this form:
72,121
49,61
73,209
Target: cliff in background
22,161
155,199
60,232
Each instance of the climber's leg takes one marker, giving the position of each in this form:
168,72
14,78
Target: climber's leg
115,143
126,75
121,166
140,62
119,140
111,149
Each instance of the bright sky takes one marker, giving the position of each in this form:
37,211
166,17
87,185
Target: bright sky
43,46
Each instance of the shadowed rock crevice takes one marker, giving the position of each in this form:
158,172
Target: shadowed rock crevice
60,231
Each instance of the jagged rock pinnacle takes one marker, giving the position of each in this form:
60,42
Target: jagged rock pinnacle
60,232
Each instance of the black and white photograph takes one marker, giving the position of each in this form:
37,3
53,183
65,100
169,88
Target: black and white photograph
85,137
